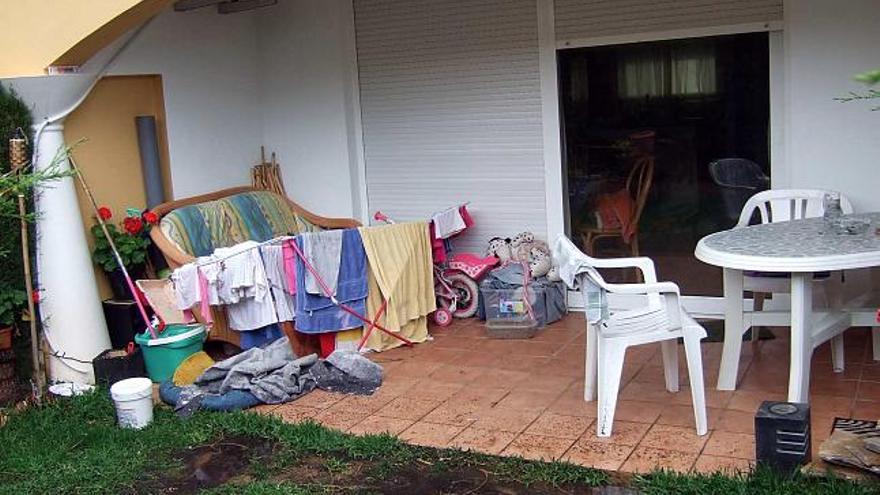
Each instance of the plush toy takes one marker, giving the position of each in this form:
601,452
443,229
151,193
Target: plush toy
522,245
522,238
553,274
539,262
499,248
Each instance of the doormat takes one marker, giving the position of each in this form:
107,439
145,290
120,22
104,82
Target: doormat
715,332
853,443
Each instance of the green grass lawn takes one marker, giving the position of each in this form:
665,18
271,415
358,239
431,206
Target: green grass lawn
73,446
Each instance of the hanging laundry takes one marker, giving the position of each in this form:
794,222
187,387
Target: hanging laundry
282,295
186,286
448,222
400,272
439,246
323,250
321,314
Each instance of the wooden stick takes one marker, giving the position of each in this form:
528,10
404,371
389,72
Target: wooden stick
29,286
134,293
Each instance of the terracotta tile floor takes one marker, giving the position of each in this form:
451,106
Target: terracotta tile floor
524,398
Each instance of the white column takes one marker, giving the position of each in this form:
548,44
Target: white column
70,305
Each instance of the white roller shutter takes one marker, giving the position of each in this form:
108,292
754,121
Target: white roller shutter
451,111
585,19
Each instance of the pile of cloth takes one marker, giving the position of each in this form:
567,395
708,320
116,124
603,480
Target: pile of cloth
305,279
271,375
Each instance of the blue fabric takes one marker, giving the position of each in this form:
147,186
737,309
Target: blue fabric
254,220
259,337
234,400
319,314
196,227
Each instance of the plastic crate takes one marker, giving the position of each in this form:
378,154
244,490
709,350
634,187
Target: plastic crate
507,314
111,366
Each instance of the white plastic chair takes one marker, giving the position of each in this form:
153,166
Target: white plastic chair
783,205
661,320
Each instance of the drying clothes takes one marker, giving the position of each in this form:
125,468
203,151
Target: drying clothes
244,287
320,314
401,272
323,250
260,337
289,264
439,245
282,296
448,223
186,286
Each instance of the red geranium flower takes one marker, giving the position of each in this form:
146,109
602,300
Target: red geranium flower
150,217
35,295
133,225
105,213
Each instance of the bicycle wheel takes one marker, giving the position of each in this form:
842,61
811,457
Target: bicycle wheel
468,293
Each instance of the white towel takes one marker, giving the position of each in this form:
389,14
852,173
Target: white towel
448,223
324,251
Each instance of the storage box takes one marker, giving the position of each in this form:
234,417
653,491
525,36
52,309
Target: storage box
112,365
513,313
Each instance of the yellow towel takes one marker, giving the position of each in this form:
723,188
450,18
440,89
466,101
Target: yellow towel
401,272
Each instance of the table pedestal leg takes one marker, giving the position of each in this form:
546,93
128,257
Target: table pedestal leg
801,337
733,329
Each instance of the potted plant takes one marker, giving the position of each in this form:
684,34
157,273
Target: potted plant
11,302
131,238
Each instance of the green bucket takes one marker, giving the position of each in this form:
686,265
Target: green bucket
164,354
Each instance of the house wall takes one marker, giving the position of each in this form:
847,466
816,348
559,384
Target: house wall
210,74
830,144
306,60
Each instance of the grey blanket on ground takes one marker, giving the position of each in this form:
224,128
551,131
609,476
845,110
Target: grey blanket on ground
323,250
273,374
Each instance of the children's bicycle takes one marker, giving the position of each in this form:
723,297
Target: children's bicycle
455,280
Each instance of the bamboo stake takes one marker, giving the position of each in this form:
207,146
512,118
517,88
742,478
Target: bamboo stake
134,293
29,286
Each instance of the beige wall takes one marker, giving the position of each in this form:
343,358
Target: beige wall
109,157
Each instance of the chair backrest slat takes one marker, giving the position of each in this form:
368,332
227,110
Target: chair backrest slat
783,205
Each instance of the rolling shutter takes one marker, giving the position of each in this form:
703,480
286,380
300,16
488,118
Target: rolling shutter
584,19
451,111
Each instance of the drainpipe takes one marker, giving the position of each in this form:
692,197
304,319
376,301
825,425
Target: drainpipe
70,304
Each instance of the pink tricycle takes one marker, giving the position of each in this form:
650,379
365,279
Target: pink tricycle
455,276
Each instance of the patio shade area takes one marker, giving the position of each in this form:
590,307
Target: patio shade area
525,398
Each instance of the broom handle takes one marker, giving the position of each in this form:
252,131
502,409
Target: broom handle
29,286
134,293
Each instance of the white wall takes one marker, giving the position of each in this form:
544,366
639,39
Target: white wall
306,57
210,76
830,144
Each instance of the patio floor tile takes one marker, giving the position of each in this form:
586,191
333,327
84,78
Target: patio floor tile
318,399
482,440
506,420
340,419
637,411
455,413
293,413
622,433
374,425
430,434
683,415
538,447
645,460
598,455
678,438
708,464
559,425
735,421
406,408
528,400
432,390
727,444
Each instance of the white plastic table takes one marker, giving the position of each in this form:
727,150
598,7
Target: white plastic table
799,248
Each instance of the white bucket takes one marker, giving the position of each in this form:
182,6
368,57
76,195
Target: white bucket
134,402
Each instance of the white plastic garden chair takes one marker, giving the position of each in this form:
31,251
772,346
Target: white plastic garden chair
661,319
783,205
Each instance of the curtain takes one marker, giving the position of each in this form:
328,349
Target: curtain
693,69
642,72
685,69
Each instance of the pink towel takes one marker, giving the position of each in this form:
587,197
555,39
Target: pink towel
289,264
204,298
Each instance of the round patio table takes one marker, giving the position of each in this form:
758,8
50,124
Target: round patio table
798,248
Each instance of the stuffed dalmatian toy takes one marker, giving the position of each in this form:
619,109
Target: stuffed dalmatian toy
499,248
522,245
539,262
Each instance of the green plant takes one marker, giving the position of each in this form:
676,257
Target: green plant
11,302
131,241
869,78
